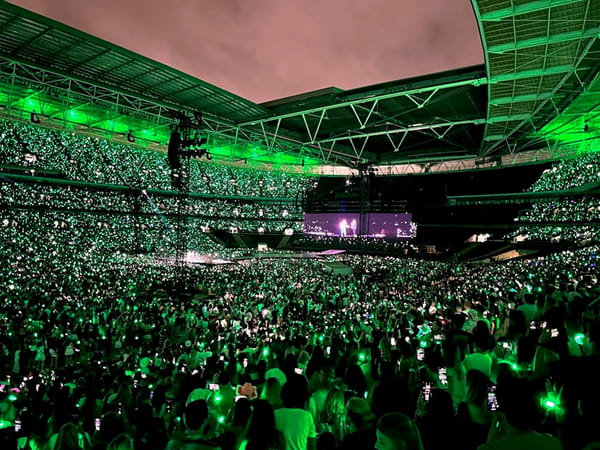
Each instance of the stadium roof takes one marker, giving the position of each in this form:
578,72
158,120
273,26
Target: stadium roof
540,55
541,59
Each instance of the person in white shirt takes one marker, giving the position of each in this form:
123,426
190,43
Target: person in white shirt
294,420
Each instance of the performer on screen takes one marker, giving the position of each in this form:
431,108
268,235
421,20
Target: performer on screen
353,227
343,227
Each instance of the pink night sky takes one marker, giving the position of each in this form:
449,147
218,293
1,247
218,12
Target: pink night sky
268,49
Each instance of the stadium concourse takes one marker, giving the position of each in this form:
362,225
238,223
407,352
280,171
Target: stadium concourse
411,265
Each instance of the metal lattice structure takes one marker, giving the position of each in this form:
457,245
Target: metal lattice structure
538,86
540,55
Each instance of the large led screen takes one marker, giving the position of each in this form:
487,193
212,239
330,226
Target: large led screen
390,226
377,225
331,224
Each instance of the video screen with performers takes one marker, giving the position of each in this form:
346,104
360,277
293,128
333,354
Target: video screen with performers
391,226
376,225
331,224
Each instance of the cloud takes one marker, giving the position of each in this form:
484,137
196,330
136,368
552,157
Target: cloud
268,49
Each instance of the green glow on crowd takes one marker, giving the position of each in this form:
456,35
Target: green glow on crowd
551,402
579,338
514,366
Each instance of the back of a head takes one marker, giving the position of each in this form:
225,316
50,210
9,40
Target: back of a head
516,399
359,412
529,298
518,323
121,442
355,379
459,320
333,407
294,393
242,412
517,317
195,414
440,405
69,438
272,388
224,378
476,384
262,422
398,432
481,336
112,425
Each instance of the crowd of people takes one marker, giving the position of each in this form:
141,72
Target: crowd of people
108,341
88,159
583,210
138,194
145,211
156,355
222,196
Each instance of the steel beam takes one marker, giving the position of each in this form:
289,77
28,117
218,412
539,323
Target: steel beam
403,129
514,76
525,8
541,104
544,40
368,99
520,98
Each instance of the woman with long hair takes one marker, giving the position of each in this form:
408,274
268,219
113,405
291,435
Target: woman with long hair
262,434
473,418
71,437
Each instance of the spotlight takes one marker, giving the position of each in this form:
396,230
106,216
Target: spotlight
34,118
